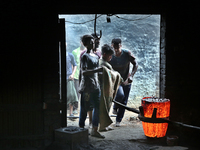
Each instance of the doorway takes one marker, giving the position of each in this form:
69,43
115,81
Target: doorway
139,33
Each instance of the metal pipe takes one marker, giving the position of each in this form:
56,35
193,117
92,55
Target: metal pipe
128,108
153,119
76,117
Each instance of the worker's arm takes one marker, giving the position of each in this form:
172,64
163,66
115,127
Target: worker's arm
91,71
134,69
135,66
73,72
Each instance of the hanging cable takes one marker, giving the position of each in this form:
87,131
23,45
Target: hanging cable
95,24
134,19
108,15
95,28
85,21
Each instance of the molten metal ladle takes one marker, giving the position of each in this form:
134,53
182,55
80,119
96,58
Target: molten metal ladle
153,119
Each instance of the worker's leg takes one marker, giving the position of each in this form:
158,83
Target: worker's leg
120,113
83,111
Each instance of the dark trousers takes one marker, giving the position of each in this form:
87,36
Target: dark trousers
122,97
86,100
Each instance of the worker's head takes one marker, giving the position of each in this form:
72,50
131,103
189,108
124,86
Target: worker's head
116,43
88,41
96,39
107,52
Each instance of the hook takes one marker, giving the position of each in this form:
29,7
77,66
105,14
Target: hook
95,28
95,24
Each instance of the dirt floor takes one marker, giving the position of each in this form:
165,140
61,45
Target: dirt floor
129,136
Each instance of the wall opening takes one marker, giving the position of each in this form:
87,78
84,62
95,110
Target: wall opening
139,33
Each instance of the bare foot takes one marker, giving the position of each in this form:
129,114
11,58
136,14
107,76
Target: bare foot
97,134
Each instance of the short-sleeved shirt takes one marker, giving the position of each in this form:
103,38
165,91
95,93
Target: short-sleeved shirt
70,61
89,83
122,63
76,54
98,53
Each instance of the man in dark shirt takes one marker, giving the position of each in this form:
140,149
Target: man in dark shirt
121,62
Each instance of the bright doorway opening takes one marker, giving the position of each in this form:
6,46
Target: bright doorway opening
139,33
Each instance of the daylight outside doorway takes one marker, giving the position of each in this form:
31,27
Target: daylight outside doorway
139,33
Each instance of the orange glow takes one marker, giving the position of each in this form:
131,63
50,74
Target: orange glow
163,110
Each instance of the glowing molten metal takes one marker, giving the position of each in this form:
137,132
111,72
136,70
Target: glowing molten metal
163,110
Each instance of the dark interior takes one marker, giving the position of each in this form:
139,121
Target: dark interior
30,31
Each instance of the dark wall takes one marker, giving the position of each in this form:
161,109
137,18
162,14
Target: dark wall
30,51
29,73
182,83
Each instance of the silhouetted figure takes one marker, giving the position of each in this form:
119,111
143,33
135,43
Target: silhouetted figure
89,86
